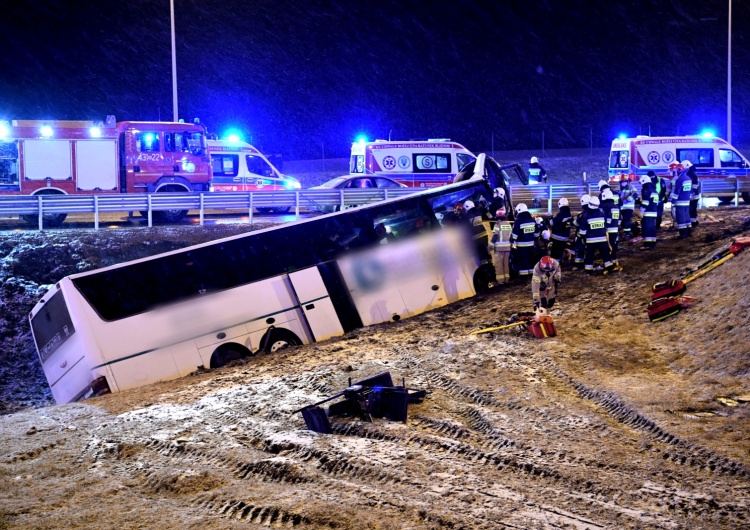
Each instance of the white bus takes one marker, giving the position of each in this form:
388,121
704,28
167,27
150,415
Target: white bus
161,317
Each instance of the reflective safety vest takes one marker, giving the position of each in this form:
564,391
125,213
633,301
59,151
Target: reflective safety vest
649,200
611,216
501,235
594,227
525,230
682,191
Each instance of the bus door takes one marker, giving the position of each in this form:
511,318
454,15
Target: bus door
316,303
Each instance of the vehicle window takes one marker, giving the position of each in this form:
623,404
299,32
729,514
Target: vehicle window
9,163
463,160
147,142
699,157
224,165
432,163
618,159
258,166
730,158
386,183
360,183
357,164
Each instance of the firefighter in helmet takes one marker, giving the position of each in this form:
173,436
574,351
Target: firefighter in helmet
544,282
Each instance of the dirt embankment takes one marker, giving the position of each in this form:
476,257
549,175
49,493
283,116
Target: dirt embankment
615,423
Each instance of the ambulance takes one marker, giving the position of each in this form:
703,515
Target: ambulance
238,166
712,156
417,163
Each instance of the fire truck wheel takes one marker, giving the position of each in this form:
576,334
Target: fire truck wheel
48,220
228,352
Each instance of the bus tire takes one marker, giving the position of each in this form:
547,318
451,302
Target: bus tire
484,279
277,339
227,352
746,197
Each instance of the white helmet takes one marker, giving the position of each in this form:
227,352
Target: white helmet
607,194
562,202
545,234
534,160
594,203
521,208
500,192
686,164
538,220
468,205
602,183
585,199
645,179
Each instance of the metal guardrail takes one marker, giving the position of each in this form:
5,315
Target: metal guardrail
538,197
312,200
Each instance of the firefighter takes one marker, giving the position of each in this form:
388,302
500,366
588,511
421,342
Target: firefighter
536,171
594,232
579,244
694,194
498,200
500,246
660,186
649,202
522,241
560,225
604,185
545,281
612,222
628,195
681,193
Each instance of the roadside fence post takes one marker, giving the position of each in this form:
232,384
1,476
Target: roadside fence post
250,208
201,211
41,213
96,212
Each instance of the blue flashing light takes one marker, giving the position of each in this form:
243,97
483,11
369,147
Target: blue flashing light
95,132
361,138
233,135
4,130
622,136
707,134
46,131
149,138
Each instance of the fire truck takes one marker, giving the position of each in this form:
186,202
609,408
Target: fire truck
84,157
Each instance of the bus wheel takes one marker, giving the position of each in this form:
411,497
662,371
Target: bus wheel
746,197
484,279
277,339
228,352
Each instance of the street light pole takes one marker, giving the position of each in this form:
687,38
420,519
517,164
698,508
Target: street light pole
729,77
174,65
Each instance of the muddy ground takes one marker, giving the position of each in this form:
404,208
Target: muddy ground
615,423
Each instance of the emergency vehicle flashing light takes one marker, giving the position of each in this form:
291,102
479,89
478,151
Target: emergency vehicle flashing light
46,131
3,130
707,134
95,132
622,136
361,139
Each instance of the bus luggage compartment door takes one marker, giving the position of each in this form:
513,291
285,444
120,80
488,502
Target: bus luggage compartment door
316,303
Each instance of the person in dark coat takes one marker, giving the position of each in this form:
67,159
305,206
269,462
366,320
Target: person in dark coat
522,238
560,225
694,195
536,171
649,203
681,193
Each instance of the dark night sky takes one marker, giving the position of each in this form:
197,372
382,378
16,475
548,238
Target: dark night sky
302,78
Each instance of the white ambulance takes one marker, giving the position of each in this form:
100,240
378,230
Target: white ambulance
420,164
712,156
238,166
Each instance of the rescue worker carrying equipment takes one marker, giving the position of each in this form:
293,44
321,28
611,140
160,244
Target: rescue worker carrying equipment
524,234
545,281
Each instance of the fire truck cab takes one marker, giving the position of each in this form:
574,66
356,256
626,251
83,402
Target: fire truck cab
238,166
84,157
421,164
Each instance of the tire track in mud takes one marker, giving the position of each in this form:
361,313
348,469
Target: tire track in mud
478,423
679,451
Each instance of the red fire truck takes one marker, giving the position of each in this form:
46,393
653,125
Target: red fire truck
83,157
